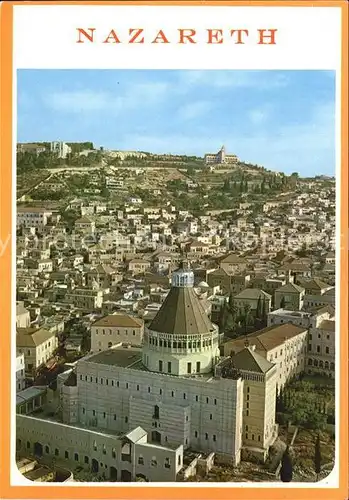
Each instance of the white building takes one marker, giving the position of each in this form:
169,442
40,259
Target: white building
37,345
32,217
20,372
115,329
60,148
22,316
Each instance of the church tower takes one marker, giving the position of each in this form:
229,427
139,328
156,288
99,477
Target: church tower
181,340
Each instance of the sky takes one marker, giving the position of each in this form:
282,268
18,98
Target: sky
283,120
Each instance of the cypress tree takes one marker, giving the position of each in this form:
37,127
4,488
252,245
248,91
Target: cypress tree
286,471
317,457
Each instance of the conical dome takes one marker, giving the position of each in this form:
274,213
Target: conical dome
182,312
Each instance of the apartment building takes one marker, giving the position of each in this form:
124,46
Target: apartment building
283,345
86,299
253,298
290,296
115,329
322,344
37,345
32,217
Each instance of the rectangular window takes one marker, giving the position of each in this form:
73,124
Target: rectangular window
215,401
189,368
210,416
160,366
196,434
94,413
137,387
198,366
196,398
172,394
214,437
184,395
206,436
169,367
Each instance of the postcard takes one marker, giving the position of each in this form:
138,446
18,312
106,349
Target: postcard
174,250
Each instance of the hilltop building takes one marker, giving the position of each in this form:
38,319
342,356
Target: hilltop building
60,148
220,158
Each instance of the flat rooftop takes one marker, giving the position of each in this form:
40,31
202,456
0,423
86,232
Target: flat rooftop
122,356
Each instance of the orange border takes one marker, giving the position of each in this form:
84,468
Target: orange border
149,492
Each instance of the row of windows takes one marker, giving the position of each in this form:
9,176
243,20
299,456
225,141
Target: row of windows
252,438
138,387
318,349
321,364
214,437
319,336
46,449
94,413
117,332
179,345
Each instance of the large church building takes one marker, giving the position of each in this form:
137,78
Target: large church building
173,395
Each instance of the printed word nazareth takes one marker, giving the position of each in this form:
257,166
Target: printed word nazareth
212,36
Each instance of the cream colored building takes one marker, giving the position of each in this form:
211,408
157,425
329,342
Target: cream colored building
37,345
137,266
86,299
125,456
113,329
322,344
254,298
283,345
290,296
220,158
20,372
22,316
84,224
233,264
32,217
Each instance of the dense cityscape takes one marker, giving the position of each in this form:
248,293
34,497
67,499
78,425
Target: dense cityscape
175,318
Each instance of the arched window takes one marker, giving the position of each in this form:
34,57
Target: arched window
326,365
156,412
316,362
332,366
321,364
110,344
310,362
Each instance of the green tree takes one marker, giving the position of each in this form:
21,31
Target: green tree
317,457
246,317
282,303
286,471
